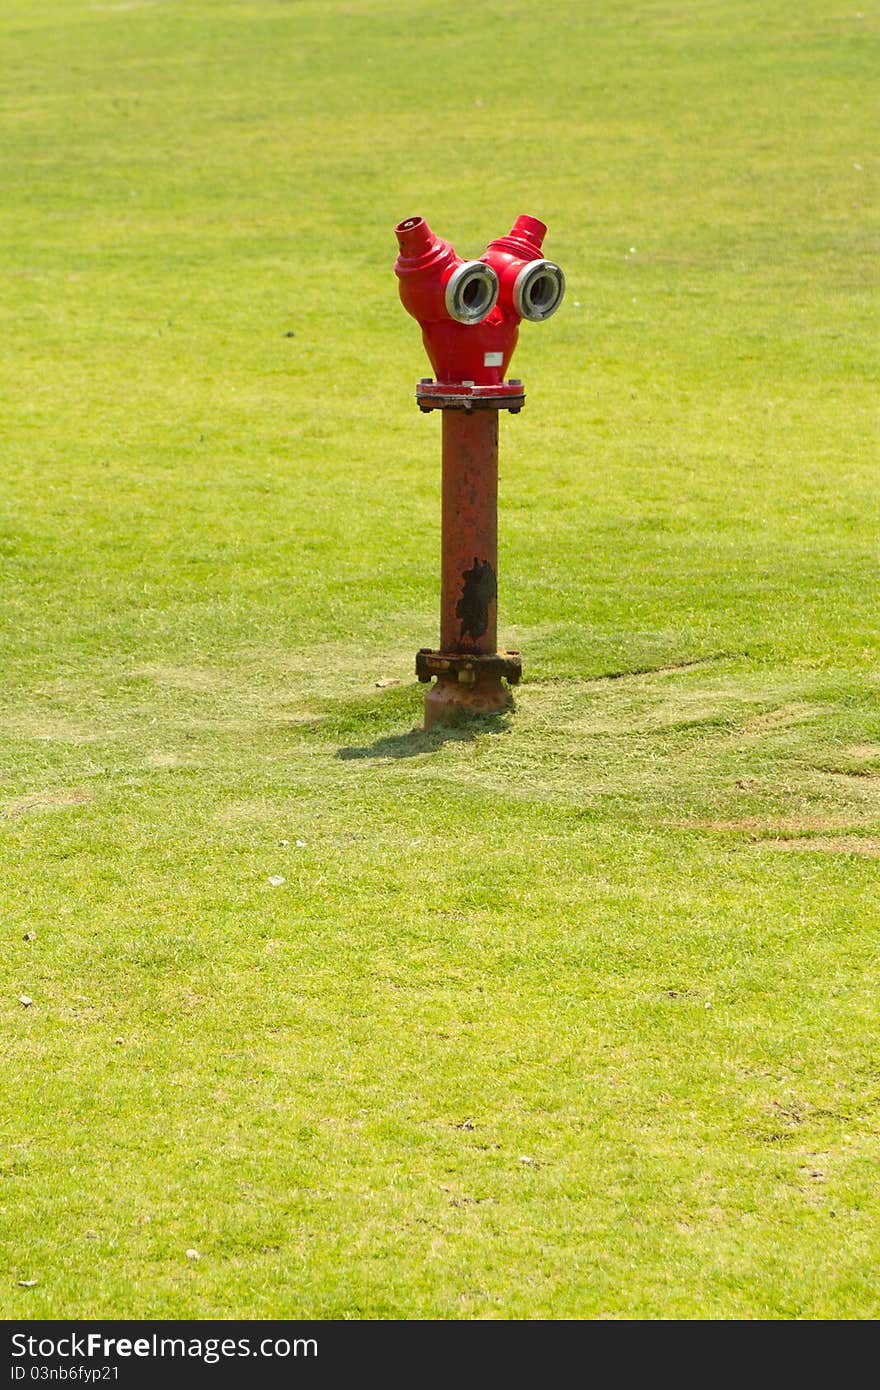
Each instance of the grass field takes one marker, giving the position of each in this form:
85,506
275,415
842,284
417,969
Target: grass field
572,1015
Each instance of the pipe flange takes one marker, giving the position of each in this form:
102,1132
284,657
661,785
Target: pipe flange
468,667
465,395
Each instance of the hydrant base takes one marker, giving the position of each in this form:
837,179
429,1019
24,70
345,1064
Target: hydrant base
468,666
449,699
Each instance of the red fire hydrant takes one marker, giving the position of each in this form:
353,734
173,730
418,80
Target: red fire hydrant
470,312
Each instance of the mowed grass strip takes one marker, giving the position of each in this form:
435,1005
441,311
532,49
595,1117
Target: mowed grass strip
570,1014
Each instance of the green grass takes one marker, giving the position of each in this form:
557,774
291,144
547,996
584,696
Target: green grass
570,1015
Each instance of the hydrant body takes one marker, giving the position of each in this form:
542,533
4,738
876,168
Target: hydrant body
470,312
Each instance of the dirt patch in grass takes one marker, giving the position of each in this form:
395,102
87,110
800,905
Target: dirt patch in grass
46,801
186,678
767,827
783,717
866,772
828,844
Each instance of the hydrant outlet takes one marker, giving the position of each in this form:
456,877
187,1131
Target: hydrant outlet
471,292
538,290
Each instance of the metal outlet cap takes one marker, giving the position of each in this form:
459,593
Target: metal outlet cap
538,290
471,292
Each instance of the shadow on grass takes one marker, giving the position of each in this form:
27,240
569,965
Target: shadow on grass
417,741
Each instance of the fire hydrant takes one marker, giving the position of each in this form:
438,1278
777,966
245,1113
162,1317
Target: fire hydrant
470,312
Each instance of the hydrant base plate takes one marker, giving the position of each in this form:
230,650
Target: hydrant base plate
449,702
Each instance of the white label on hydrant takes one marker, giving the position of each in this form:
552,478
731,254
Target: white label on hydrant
493,359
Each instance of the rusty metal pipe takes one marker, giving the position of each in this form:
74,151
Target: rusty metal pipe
469,532
468,568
